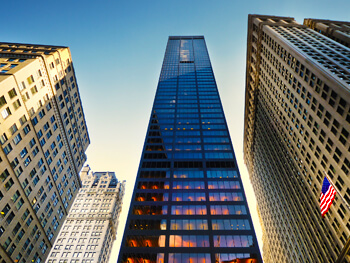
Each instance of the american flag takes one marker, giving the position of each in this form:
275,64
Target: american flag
327,196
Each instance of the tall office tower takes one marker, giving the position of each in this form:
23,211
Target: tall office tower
297,125
188,203
43,138
90,228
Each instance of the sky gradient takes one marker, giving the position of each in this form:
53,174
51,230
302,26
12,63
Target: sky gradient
118,48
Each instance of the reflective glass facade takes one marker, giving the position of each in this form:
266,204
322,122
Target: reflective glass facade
188,203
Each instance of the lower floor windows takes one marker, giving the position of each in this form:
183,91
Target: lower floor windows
148,224
233,241
188,210
141,258
187,257
230,224
189,224
146,241
223,196
228,210
232,257
189,241
150,210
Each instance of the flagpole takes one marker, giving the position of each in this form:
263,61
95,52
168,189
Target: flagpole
344,252
346,247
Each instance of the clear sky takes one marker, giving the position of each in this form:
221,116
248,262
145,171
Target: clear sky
118,48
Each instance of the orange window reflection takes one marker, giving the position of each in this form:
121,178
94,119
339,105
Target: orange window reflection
143,258
146,241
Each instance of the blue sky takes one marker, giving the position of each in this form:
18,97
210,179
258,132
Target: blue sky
118,47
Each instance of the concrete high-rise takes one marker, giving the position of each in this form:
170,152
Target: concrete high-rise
43,139
188,203
297,125
90,228
336,30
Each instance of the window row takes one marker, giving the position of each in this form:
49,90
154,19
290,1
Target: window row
184,257
217,174
188,185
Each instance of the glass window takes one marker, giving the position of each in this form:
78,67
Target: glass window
230,224
189,241
189,224
145,241
188,210
233,241
228,210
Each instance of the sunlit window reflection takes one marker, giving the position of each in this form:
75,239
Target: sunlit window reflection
188,241
188,224
189,258
145,241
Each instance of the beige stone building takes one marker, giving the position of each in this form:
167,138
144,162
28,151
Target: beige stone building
90,229
297,125
338,31
43,138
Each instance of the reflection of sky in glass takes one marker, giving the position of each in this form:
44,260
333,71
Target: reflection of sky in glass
186,51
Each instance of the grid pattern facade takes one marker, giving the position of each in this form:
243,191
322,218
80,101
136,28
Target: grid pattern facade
43,138
89,231
188,203
336,30
297,125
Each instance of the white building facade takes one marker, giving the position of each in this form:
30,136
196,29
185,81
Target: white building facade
90,228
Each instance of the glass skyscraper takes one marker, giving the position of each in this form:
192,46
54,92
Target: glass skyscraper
188,203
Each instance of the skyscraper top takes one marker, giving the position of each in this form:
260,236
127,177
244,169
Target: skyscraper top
27,50
336,30
185,37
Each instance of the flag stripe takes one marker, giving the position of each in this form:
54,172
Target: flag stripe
327,203
327,199
327,196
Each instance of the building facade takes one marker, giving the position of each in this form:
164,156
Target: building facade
43,138
336,30
90,228
297,125
188,203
